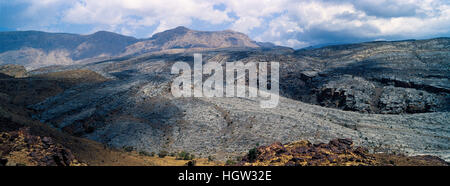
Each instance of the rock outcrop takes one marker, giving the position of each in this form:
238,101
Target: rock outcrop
17,71
388,95
21,148
400,77
136,108
347,93
34,49
337,152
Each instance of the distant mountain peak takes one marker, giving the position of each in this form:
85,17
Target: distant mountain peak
34,49
109,34
183,38
169,34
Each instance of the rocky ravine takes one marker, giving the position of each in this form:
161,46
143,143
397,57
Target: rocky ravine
135,107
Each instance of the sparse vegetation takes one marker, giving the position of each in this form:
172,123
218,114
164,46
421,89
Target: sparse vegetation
211,158
185,156
191,163
230,162
145,153
384,96
128,148
238,158
163,154
252,154
338,152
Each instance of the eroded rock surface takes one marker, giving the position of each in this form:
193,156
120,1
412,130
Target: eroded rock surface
337,152
135,108
377,77
21,148
16,71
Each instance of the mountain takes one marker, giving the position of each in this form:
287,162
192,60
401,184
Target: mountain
80,46
34,49
184,38
26,141
390,97
385,96
374,77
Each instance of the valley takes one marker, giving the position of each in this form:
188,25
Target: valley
388,97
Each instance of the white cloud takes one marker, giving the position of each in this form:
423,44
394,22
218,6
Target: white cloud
315,22
295,23
164,13
250,13
245,24
282,31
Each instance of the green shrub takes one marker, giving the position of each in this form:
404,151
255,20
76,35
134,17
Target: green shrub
128,148
252,154
211,158
191,163
238,158
230,162
163,154
180,155
144,153
185,156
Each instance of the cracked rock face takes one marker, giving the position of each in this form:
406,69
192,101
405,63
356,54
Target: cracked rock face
21,148
348,93
337,152
387,77
16,71
327,93
395,100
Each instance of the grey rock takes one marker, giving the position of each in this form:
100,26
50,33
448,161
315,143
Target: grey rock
17,71
135,108
396,100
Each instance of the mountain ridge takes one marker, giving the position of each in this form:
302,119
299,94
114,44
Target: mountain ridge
384,96
388,97
35,49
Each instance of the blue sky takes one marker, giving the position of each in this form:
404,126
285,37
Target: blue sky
294,23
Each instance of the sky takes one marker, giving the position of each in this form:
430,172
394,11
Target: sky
293,23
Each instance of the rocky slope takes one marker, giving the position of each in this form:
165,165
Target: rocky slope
34,49
390,97
12,70
338,152
25,141
182,39
377,77
135,108
21,148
